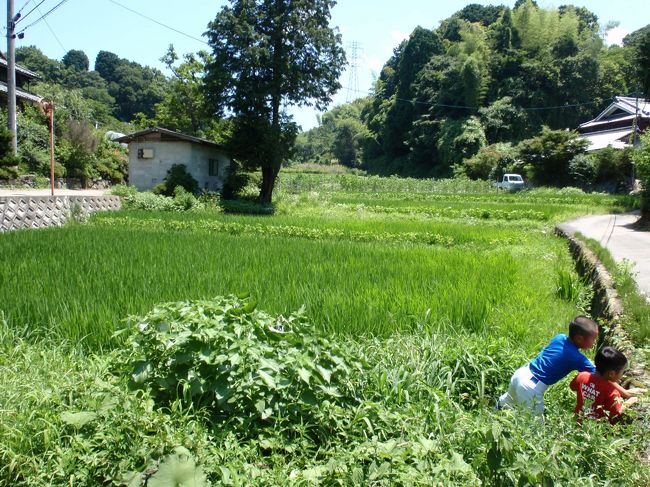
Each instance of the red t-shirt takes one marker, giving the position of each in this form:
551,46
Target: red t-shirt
596,397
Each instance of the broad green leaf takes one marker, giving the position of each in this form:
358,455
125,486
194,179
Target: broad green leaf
325,373
178,470
268,380
459,464
304,374
79,419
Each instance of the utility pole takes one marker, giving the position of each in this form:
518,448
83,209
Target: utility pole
11,74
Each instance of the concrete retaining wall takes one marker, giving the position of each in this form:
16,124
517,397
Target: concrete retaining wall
18,212
606,305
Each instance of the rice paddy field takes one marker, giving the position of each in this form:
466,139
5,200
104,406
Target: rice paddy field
427,294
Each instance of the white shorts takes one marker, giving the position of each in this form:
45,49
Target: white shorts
524,389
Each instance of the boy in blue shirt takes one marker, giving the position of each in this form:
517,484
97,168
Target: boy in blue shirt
554,362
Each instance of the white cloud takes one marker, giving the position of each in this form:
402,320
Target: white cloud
615,36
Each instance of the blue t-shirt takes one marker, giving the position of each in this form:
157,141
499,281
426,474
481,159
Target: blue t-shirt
560,357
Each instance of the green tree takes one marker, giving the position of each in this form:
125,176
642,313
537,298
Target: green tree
33,58
460,139
268,55
641,159
76,59
183,107
547,156
639,42
348,141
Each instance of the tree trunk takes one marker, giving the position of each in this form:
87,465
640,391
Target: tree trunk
270,171
269,175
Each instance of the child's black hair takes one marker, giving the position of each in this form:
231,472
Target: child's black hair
582,326
608,358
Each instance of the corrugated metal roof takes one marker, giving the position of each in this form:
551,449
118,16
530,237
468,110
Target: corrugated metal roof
25,95
20,69
625,104
168,133
615,138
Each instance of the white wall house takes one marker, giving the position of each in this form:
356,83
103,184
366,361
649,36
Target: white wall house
152,152
616,124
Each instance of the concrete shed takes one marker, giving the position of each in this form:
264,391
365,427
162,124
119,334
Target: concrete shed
152,152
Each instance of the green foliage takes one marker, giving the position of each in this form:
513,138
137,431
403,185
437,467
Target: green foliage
639,42
269,56
182,200
399,316
241,363
641,158
7,160
582,170
77,60
547,156
135,88
183,107
491,162
460,139
177,176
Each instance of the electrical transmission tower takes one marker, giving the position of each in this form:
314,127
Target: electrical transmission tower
353,81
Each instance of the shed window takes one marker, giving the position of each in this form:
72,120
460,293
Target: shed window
213,167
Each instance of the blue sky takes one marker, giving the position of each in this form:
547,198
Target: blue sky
377,25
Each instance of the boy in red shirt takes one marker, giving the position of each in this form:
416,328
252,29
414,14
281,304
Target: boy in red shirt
598,395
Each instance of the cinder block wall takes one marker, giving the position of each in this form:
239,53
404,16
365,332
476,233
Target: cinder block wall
18,212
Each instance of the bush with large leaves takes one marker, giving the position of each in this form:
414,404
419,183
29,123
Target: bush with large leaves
241,362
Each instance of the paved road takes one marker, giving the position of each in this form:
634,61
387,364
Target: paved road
623,242
57,192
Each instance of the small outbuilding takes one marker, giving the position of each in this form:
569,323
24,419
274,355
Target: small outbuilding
152,152
616,124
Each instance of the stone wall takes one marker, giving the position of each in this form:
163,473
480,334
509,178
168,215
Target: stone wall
606,306
18,212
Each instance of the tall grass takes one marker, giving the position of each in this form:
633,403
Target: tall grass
79,282
635,305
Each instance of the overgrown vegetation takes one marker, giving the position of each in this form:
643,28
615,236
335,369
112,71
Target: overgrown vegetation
490,90
635,304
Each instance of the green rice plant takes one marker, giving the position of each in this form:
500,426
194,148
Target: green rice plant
568,285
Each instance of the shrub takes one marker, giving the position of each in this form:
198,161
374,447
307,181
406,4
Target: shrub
491,162
177,176
7,160
235,182
641,157
186,201
123,190
612,165
582,170
241,362
547,156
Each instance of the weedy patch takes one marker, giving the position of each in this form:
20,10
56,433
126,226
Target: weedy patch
240,362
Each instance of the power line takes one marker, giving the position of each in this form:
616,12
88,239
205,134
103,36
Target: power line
465,107
24,6
159,23
52,31
42,17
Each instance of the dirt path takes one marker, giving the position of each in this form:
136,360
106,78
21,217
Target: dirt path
615,232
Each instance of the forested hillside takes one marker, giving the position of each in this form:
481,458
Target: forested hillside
118,95
488,75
